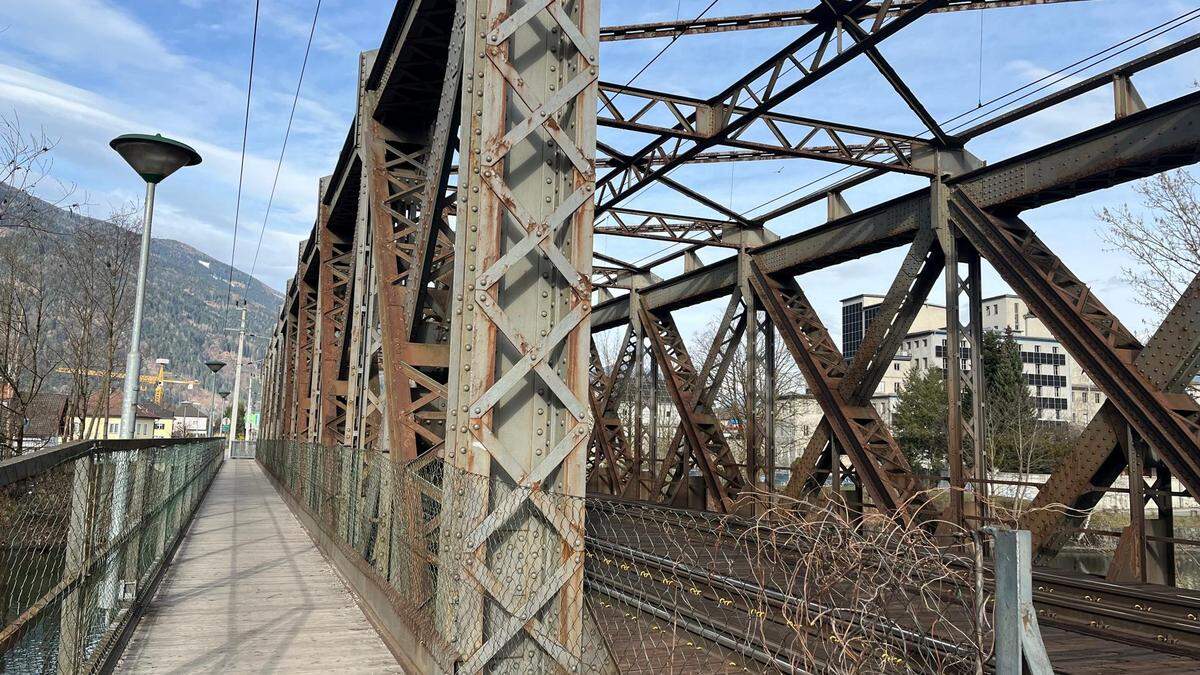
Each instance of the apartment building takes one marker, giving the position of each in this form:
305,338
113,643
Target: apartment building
1061,390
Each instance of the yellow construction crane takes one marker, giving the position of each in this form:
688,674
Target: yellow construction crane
158,380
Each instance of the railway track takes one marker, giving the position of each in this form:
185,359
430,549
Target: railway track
753,619
1157,618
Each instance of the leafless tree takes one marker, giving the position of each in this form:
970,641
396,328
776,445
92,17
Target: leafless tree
29,301
96,307
732,396
1164,242
25,162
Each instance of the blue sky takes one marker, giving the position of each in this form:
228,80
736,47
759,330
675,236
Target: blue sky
86,70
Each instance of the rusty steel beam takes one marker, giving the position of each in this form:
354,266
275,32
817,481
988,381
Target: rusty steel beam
1157,139
1170,359
1169,422
881,340
776,135
609,439
702,429
767,85
519,340
873,451
785,19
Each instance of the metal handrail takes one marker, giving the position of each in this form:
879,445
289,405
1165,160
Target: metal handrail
31,464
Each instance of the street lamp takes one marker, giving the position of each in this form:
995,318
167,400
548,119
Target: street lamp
214,366
224,397
153,158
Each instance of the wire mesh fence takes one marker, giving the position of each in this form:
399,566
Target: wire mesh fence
665,589
83,537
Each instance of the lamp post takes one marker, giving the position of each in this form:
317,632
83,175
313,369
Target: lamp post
224,397
153,158
214,366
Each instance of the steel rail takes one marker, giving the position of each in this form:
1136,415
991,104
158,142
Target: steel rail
727,638
780,599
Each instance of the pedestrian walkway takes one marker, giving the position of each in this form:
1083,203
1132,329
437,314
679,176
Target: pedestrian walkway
249,592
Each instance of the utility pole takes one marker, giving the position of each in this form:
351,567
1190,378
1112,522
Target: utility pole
249,403
237,384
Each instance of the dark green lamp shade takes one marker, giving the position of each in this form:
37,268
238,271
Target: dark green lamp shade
224,394
215,365
154,157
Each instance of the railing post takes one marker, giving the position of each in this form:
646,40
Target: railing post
137,510
79,541
1018,639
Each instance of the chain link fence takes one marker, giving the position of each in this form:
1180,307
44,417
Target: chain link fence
85,530
677,590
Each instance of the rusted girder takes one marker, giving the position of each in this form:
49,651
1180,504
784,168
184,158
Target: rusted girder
1167,421
701,427
881,465
784,19
775,134
624,464
767,85
881,340
670,477
1170,359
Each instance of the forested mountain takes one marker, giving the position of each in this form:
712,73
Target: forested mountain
59,269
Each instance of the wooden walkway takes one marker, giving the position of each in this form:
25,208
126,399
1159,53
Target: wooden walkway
249,592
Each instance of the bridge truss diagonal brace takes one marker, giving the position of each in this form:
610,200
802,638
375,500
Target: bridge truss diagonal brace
910,288
1170,359
857,429
519,339
623,468
702,431
1093,335
671,476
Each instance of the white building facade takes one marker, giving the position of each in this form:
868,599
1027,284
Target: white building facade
1061,390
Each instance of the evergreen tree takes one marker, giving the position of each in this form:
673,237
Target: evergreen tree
1012,420
919,421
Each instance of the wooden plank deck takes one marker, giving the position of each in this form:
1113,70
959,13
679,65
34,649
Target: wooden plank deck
249,592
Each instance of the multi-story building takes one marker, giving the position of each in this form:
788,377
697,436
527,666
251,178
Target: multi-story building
1061,391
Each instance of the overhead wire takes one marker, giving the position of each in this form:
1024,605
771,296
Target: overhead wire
237,209
1084,63
1050,80
286,134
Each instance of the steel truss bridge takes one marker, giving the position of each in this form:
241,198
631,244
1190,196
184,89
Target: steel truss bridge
437,414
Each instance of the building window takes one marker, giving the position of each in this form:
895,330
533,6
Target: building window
1096,397
895,366
852,328
896,387
114,428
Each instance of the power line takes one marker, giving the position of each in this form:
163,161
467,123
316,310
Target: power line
237,209
656,57
286,134
1137,40
1083,63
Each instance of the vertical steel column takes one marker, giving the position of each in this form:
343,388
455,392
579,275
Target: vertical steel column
358,314
519,337
641,485
769,449
750,382
1018,638
653,466
939,209
975,380
1137,504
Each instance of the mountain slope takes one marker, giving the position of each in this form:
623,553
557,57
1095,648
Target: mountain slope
186,317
